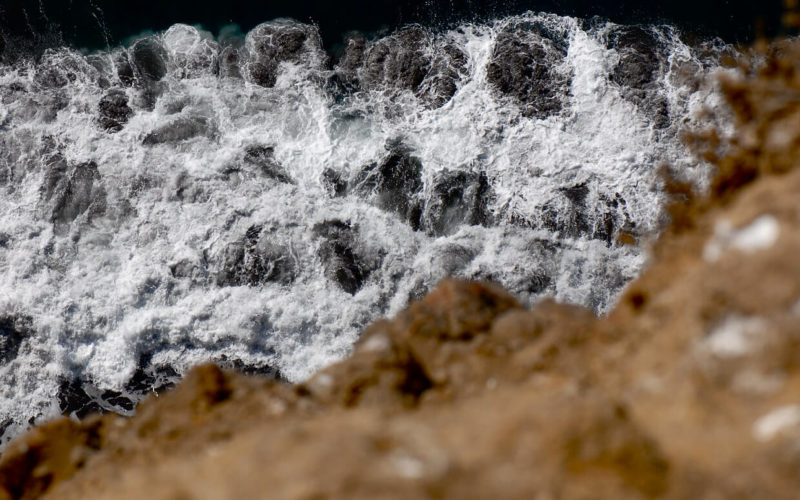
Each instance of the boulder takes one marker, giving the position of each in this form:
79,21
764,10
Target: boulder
638,70
148,60
458,198
338,251
114,111
14,330
263,157
257,259
410,60
68,191
524,67
276,42
394,184
179,129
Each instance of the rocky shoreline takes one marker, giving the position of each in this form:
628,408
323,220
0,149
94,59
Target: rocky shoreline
689,388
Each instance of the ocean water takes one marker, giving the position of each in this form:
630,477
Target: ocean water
255,201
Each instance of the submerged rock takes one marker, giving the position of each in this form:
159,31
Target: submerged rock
458,198
14,330
114,111
257,259
74,401
639,56
343,263
69,191
229,60
263,157
394,184
273,43
180,129
190,52
333,183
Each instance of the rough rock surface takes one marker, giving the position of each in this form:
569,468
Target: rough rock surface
409,60
283,41
525,66
394,184
114,111
690,388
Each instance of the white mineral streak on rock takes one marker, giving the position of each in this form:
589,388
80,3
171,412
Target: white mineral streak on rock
736,336
759,235
777,422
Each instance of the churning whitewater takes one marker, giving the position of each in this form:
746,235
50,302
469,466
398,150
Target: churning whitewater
255,202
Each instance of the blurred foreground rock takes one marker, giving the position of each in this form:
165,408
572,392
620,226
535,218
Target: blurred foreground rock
690,388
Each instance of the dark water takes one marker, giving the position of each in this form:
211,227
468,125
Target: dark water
97,23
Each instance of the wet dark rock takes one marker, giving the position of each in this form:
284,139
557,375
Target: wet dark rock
114,111
51,78
183,187
333,183
125,71
270,44
351,61
639,56
411,59
263,157
400,59
337,251
78,397
458,198
148,59
447,66
147,95
639,69
188,269
453,258
572,220
179,129
151,379
69,191
536,283
394,184
524,66
612,220
74,401
571,214
255,260
229,60
266,371
13,332
117,402
102,67
7,423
